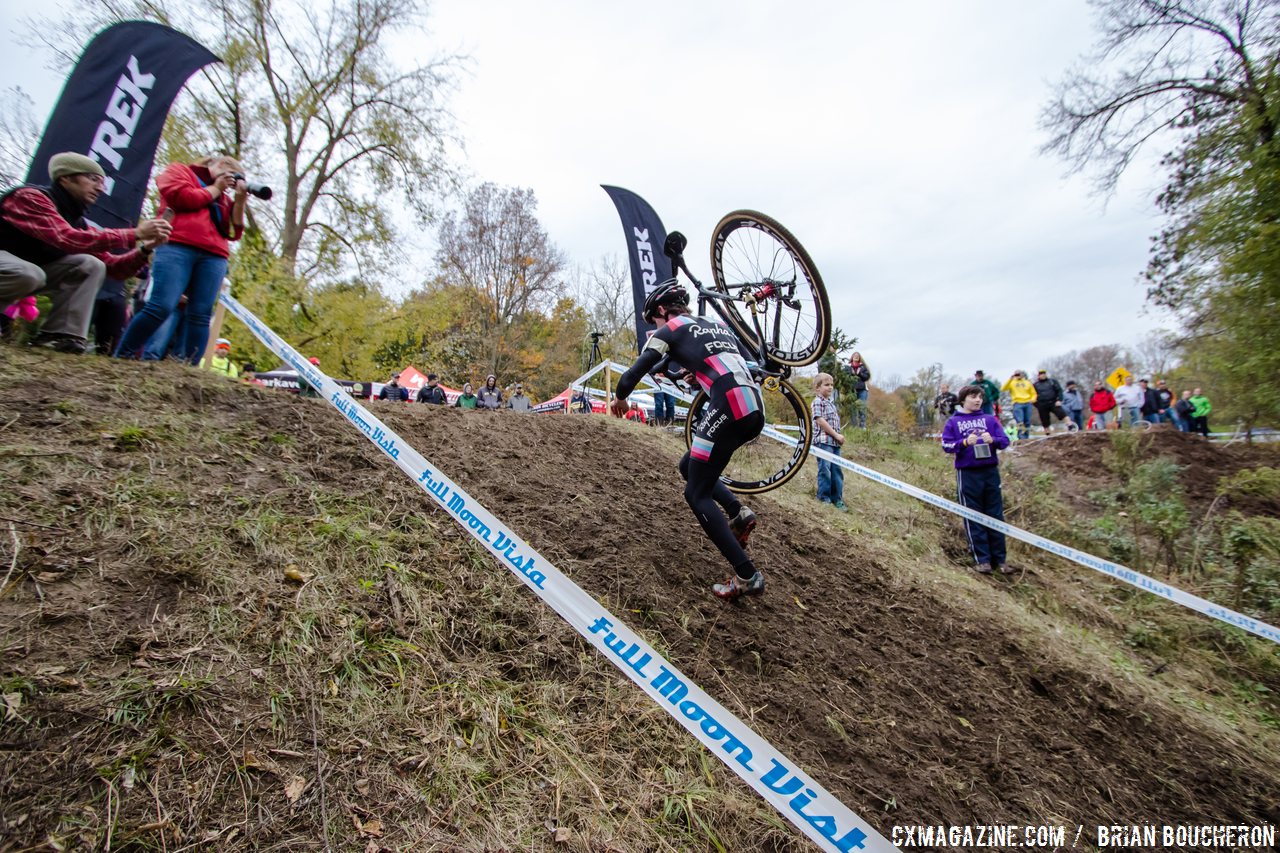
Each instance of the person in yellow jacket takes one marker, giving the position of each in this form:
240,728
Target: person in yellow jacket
220,361
1024,399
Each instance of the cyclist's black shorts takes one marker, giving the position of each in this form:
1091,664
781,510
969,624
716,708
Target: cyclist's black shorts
732,417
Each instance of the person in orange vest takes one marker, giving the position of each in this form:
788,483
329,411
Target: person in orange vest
220,361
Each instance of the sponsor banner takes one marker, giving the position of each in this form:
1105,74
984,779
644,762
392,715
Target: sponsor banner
796,796
555,404
113,108
645,239
1106,567
287,380
363,390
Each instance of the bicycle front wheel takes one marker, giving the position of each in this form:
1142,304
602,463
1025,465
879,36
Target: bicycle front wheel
763,464
770,277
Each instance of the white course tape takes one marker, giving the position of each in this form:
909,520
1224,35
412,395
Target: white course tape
1106,567
812,809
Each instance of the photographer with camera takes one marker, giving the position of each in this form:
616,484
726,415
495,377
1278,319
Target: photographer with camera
205,201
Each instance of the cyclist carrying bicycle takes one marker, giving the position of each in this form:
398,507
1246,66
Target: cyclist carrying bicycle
734,415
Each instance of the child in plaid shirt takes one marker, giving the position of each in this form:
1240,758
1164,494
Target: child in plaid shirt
827,436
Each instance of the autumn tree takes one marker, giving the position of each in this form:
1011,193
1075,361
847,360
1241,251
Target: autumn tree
918,394
603,288
1201,78
550,348
498,251
18,135
834,361
307,97
1085,366
434,329
1179,71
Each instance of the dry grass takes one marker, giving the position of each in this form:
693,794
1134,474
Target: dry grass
225,622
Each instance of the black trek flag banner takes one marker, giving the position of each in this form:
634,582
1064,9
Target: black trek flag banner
645,238
113,108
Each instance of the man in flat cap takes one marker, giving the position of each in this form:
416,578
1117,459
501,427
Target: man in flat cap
46,246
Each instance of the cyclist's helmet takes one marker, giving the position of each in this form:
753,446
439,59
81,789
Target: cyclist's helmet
669,292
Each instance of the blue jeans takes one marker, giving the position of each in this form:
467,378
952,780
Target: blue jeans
1022,414
860,410
175,270
830,476
1077,417
1132,414
664,406
158,345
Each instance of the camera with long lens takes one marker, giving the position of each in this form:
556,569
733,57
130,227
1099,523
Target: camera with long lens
260,190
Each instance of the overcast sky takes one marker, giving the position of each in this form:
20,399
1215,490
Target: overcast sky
897,141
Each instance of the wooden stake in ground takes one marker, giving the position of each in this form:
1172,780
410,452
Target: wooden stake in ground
219,313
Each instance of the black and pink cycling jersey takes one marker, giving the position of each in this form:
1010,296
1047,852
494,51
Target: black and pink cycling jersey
708,350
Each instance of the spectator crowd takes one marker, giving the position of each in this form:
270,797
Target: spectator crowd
1129,405
491,396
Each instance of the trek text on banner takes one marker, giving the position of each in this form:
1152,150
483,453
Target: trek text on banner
113,108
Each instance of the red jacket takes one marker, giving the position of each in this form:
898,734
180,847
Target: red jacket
182,188
1102,401
33,213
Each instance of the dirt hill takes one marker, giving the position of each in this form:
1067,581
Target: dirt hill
227,620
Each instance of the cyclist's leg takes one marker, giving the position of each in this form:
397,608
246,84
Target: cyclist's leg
719,491
702,467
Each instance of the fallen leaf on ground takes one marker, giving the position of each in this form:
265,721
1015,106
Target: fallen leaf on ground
12,702
294,788
293,573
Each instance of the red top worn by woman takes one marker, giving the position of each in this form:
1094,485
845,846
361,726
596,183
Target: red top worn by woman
182,189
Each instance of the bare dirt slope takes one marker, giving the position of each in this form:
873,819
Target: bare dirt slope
168,687
1082,458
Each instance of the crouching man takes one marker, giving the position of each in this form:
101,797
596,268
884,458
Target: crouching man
47,246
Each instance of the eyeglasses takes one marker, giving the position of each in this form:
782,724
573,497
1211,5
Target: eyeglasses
93,178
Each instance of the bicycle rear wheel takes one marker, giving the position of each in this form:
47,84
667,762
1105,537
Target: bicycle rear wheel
766,271
763,464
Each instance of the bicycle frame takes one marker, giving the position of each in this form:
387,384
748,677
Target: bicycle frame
764,363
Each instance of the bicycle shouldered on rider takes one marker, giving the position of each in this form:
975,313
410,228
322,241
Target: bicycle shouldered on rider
709,351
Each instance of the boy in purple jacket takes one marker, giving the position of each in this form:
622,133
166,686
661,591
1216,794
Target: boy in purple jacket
974,438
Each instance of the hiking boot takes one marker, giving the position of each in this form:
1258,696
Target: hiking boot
61,343
1006,569
840,505
736,586
983,568
741,526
